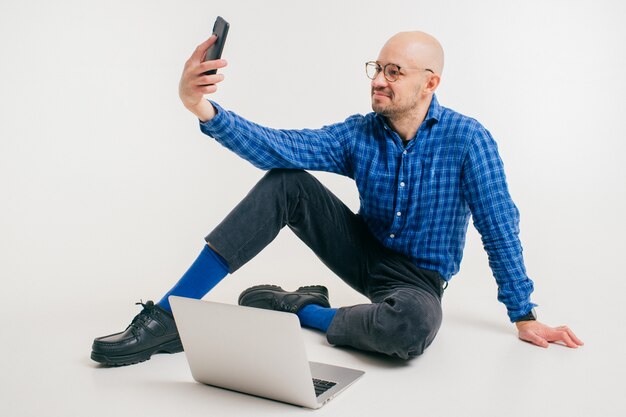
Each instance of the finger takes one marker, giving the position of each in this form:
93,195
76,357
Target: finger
193,77
208,89
572,335
561,336
200,51
209,65
210,79
534,339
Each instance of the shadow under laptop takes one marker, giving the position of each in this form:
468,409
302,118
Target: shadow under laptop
207,397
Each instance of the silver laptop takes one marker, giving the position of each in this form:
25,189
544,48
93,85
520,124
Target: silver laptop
255,351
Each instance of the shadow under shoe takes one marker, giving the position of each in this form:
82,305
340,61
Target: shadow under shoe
273,297
152,331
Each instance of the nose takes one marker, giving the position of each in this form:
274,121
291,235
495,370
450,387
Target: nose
379,80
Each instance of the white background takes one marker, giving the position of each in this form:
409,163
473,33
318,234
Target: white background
108,188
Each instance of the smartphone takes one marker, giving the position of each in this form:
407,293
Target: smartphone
220,28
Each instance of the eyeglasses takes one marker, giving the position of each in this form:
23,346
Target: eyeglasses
390,71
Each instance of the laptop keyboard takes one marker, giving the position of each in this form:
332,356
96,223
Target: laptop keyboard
322,386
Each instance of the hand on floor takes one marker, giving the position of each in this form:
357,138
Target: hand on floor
542,335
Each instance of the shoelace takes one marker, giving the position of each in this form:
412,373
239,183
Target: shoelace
146,314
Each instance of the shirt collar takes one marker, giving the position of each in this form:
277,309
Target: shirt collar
434,111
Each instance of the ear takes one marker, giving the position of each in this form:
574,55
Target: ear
432,83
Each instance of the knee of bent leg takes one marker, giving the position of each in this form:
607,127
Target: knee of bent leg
408,328
284,174
284,178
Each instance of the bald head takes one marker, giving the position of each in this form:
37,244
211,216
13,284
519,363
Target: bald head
413,49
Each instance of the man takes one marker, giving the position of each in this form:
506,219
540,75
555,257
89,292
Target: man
421,170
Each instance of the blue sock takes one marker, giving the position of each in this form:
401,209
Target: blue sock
206,271
316,316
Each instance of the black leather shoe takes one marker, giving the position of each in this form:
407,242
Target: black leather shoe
272,297
151,331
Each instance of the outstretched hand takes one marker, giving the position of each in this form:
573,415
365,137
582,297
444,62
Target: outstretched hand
194,84
542,335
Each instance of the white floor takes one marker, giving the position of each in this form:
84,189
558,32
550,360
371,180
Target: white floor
476,366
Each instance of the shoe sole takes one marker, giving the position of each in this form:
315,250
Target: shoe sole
319,289
173,346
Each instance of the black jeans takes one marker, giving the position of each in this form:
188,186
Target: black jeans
405,311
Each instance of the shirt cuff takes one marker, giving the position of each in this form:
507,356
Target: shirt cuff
216,124
517,314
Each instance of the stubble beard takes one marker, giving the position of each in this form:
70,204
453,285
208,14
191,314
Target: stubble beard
391,111
379,108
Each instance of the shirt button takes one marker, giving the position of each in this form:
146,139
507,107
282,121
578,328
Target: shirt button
402,184
399,214
404,152
392,235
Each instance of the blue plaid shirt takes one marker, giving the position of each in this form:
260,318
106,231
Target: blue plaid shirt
416,199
